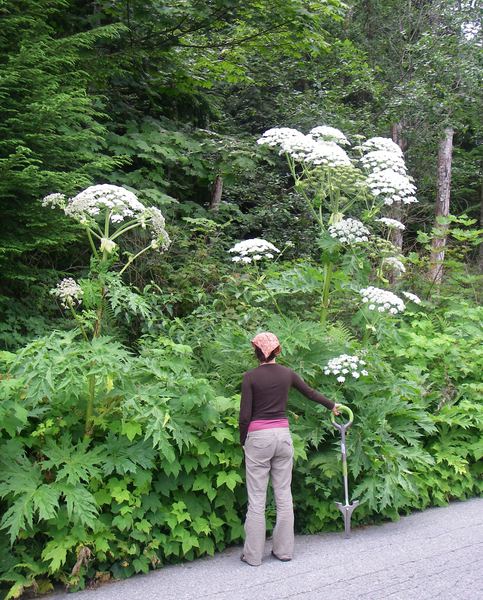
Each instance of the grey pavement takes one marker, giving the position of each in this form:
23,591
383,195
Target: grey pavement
432,555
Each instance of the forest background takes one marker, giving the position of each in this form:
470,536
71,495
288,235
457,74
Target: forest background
168,99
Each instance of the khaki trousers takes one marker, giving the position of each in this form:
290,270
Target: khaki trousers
269,452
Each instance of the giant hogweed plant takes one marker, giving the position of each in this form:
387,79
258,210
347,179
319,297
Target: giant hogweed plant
106,213
160,479
337,186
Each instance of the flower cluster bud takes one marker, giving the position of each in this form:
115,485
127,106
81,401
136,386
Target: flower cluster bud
412,297
391,223
68,291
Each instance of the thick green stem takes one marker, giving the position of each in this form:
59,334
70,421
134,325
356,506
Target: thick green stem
276,306
90,405
333,197
100,312
297,180
348,205
309,203
106,224
274,302
325,293
105,253
91,241
119,232
97,235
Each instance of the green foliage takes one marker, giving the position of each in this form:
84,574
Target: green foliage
155,484
52,132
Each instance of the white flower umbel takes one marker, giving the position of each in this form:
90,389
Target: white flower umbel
68,291
329,134
328,154
121,203
381,143
392,187
349,231
393,263
154,220
253,250
391,223
344,366
277,135
379,160
412,297
54,200
298,147
108,212
382,300
305,148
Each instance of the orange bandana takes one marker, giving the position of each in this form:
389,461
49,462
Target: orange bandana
267,342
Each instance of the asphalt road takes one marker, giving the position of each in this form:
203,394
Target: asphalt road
432,555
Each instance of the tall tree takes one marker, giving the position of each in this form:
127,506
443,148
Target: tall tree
442,206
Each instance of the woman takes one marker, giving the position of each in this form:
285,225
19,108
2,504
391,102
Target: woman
267,444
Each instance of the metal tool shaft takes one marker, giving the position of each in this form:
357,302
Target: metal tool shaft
346,509
344,465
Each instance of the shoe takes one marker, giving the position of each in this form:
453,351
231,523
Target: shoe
243,559
278,558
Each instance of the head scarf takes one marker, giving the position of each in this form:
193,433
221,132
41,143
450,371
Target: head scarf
267,342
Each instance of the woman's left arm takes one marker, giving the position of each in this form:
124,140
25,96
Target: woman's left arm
300,385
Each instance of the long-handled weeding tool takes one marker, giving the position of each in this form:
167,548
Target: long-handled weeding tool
346,509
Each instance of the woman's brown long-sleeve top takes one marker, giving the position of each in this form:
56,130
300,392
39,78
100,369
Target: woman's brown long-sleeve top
265,394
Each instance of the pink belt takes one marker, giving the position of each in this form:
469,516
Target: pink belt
267,424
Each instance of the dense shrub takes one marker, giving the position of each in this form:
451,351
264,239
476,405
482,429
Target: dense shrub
156,482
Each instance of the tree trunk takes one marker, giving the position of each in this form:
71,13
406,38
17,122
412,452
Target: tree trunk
396,210
442,205
216,193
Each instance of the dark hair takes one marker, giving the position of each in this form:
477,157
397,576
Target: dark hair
261,357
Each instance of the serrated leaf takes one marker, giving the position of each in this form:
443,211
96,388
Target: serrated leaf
141,564
120,457
201,525
45,501
189,542
74,462
203,483
81,504
56,550
223,434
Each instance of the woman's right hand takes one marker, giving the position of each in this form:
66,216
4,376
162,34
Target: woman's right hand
335,410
